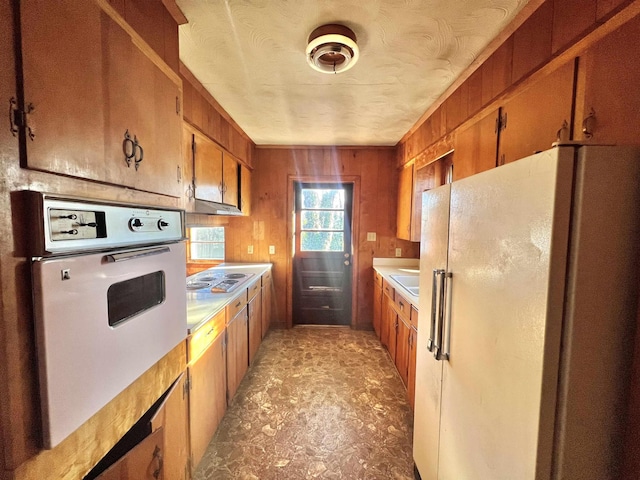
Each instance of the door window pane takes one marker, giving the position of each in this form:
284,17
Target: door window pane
326,199
321,241
322,220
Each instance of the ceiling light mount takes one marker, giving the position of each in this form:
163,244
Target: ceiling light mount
332,49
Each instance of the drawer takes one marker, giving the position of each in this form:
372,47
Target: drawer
198,342
266,278
254,289
388,290
414,316
236,305
377,278
403,307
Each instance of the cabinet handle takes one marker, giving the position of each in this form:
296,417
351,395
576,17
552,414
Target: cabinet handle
139,156
434,296
562,135
439,352
401,306
157,456
177,105
128,148
588,123
238,304
178,174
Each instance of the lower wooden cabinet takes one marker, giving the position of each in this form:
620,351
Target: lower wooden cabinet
411,368
143,462
377,303
255,325
402,349
387,299
266,302
237,351
392,329
207,396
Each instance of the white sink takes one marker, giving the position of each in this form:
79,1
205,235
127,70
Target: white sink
409,282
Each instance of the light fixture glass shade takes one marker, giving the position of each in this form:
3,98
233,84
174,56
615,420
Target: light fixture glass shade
332,53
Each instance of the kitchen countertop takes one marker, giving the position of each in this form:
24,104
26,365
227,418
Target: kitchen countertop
398,266
203,306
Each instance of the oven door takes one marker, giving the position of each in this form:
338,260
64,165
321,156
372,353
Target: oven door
102,320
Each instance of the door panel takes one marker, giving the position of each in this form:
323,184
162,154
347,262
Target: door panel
476,147
322,261
495,421
428,387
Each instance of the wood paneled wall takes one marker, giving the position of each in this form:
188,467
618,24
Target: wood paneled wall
272,209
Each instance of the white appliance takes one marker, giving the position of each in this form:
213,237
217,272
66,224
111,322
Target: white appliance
529,280
109,301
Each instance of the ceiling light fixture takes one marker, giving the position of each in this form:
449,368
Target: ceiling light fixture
332,49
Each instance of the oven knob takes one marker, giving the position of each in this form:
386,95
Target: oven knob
135,223
162,224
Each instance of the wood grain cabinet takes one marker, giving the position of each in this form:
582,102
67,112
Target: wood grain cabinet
207,384
245,191
267,289
101,104
237,351
392,330
377,302
215,173
143,462
405,197
411,375
385,316
402,349
255,322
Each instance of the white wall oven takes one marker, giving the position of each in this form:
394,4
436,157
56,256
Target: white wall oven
109,301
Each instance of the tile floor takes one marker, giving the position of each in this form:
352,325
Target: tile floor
318,402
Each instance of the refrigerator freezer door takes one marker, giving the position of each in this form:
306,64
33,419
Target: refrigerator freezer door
507,252
433,255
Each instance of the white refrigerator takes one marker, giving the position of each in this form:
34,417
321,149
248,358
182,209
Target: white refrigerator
528,303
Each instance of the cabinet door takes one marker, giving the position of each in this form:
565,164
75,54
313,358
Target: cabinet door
411,367
384,320
255,326
188,138
230,180
207,396
63,77
405,192
425,178
392,329
208,169
89,83
476,147
377,307
533,118
266,302
402,349
143,462
611,73
237,351
173,417
245,190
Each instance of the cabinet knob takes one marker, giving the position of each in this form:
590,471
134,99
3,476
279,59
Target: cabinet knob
588,123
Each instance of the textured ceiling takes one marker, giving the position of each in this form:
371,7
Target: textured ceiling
250,55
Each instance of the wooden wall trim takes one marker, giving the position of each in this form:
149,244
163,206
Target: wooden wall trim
186,73
517,21
355,234
174,10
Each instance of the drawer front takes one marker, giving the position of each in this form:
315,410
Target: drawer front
198,342
403,307
377,278
254,289
266,278
236,305
414,316
388,290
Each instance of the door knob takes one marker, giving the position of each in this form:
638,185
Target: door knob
346,262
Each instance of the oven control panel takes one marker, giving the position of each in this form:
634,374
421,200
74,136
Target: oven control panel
70,224
73,225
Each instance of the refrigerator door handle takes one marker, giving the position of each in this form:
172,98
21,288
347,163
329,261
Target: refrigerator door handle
439,353
437,298
434,297
444,339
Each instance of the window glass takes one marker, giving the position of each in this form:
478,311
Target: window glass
206,243
322,220
326,199
321,241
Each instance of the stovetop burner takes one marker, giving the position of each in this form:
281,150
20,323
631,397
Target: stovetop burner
235,275
216,282
195,285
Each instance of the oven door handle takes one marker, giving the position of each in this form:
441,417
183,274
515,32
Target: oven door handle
121,257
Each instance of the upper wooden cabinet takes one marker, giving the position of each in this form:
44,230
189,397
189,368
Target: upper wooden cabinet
532,120
102,105
215,173
476,147
245,190
608,105
405,194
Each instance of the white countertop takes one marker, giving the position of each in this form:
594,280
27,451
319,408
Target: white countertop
398,266
202,306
